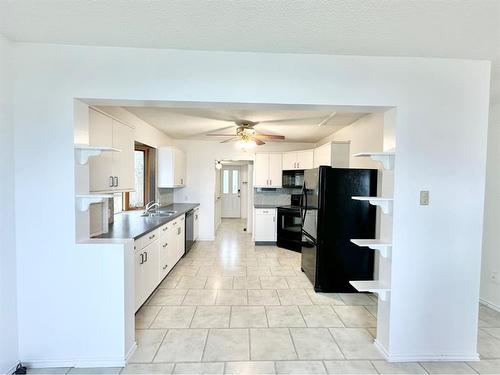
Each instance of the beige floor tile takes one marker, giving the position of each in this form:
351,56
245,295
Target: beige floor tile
199,297
148,342
235,271
355,316
282,271
167,297
448,368
315,343
284,316
355,343
263,297
258,271
48,370
384,367
250,368
356,299
373,309
350,367
95,370
170,282
373,332
294,297
191,282
296,282
210,271
488,346
271,344
486,366
182,345
320,316
232,297
246,282
489,317
227,345
146,315
495,332
324,298
273,282
222,282
211,317
174,317
205,368
300,367
148,368
248,317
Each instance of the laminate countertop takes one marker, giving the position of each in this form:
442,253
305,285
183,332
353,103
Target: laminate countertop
131,224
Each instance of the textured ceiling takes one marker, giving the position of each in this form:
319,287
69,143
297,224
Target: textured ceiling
296,124
427,28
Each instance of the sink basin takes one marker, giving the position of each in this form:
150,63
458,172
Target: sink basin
159,214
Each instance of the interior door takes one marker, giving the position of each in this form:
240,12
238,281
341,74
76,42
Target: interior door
231,193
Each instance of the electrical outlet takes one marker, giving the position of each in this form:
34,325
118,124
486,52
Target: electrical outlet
424,197
494,277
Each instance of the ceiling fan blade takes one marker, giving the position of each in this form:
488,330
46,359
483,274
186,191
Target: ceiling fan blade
270,136
220,135
230,140
258,141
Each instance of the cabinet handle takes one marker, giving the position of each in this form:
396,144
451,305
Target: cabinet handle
165,267
165,245
196,217
164,229
117,181
298,164
152,236
111,181
270,182
182,181
142,258
274,219
146,257
178,231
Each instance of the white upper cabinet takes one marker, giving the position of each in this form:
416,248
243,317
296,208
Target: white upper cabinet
171,167
333,154
298,160
111,171
268,170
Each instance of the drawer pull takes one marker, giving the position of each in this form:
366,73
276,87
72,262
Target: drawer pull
152,236
164,229
165,266
165,245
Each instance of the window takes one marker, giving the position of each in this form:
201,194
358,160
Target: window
144,172
225,181
236,181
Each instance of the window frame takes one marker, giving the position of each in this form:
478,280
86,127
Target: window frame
147,178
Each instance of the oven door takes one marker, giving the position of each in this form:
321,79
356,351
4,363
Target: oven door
289,229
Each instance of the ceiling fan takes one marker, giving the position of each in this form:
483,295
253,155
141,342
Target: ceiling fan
247,135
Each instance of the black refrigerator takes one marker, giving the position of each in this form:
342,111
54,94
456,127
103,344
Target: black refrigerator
330,219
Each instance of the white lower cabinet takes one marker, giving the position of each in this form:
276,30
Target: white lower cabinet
156,253
265,225
196,223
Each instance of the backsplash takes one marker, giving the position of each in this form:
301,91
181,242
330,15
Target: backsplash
165,196
280,197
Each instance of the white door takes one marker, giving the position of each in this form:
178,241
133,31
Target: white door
231,194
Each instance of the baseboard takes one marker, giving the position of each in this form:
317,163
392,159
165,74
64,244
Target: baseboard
131,352
489,304
426,357
206,237
10,369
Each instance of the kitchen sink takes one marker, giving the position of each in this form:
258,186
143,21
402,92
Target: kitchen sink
159,214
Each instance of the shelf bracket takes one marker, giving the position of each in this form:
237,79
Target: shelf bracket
382,248
386,158
84,201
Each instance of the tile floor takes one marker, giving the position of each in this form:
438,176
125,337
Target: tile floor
231,307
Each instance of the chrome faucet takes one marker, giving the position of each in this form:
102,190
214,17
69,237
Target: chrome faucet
151,205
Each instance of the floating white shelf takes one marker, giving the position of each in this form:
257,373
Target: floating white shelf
386,158
83,152
83,201
384,203
382,246
373,286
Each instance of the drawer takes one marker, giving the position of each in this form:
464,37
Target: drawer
164,229
147,239
265,211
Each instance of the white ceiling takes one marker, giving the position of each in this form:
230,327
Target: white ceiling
296,123
427,28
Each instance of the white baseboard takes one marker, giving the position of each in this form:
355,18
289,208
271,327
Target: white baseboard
426,357
10,369
489,304
131,352
206,237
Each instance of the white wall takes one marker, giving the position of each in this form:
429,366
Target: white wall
490,274
8,301
441,131
200,164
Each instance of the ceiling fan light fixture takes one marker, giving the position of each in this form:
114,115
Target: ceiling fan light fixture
245,144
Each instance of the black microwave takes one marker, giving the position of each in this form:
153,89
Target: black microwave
292,179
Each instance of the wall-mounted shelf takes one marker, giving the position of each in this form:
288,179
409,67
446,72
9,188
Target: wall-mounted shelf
386,158
384,203
83,152
83,201
373,286
382,246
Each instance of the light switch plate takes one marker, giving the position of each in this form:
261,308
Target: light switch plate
424,197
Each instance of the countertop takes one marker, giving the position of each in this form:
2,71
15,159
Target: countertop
267,205
130,224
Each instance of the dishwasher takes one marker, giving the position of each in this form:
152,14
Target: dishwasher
189,230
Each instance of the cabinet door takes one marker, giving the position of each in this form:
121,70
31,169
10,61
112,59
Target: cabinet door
289,161
123,162
151,266
261,169
265,227
196,226
305,159
322,156
275,170
179,168
140,290
100,167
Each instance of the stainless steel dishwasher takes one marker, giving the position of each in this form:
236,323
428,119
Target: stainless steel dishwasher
189,230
